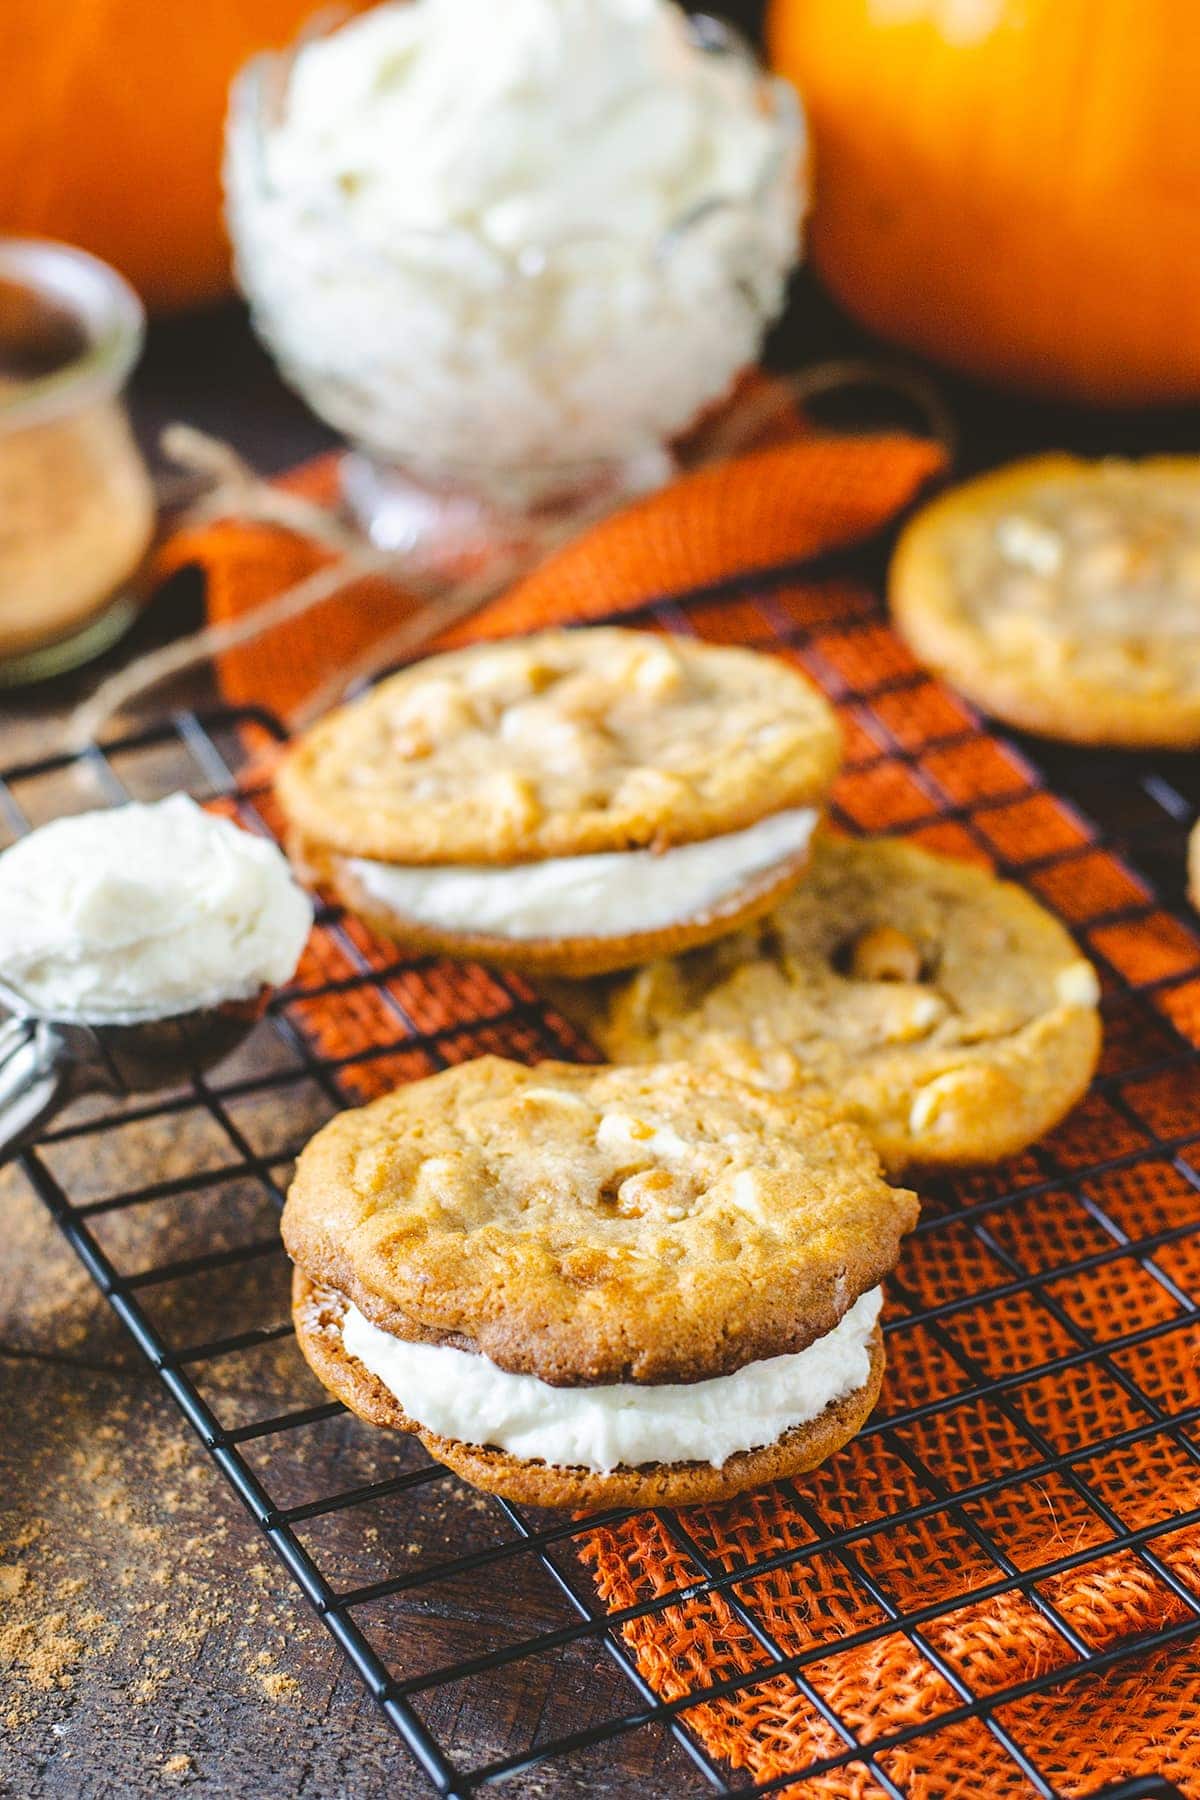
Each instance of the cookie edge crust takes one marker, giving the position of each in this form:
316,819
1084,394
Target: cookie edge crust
575,957
316,1313
803,784
925,612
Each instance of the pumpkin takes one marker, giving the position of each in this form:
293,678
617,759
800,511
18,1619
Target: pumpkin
1011,186
110,129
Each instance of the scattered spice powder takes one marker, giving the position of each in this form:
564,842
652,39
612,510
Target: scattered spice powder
165,1581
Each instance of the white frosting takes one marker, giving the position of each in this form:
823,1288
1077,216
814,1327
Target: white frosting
608,895
143,912
478,240
462,1395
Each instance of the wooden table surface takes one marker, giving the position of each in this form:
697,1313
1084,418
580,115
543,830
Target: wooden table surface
148,1638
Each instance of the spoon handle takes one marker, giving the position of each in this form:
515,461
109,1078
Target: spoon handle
38,1074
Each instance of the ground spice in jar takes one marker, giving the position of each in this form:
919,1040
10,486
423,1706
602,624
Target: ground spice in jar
76,517
77,507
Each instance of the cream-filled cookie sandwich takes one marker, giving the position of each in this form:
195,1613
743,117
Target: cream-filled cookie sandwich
597,1286
573,802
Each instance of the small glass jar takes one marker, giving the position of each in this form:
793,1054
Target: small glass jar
77,509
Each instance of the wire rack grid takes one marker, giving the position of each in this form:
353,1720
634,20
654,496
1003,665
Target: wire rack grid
480,1627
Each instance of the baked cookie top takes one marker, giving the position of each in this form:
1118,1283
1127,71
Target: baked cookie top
592,1224
562,744
1064,595
943,1010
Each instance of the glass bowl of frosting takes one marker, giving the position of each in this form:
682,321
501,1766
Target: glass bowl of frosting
513,263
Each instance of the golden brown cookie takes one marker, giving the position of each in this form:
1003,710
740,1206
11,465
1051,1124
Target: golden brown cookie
944,1011
1063,596
597,1259
575,802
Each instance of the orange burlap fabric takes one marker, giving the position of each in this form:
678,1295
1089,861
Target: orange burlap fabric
771,507
1070,1276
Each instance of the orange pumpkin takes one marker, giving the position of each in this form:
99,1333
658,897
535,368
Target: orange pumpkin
110,129
1011,186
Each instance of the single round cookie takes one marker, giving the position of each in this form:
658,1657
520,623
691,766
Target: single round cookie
584,1284
572,802
1063,596
941,1009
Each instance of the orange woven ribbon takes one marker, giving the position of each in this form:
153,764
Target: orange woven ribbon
976,1469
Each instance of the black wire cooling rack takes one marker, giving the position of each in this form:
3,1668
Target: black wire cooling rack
472,1621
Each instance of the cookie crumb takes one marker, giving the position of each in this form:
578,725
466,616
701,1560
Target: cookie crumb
280,1687
12,1579
43,1649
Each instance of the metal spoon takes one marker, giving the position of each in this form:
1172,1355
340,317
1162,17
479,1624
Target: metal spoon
45,1063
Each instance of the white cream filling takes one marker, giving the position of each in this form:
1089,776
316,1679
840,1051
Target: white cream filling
611,894
460,1394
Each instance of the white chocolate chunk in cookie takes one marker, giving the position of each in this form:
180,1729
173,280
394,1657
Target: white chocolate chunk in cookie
1077,985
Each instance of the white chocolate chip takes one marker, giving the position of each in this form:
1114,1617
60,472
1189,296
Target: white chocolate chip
652,1188
747,1195
911,1016
650,788
935,1098
514,799
657,672
551,1099
444,1180
1077,985
434,712
1030,544
927,1009
617,1131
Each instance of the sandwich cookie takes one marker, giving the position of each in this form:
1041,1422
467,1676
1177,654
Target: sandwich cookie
595,1286
574,802
943,1010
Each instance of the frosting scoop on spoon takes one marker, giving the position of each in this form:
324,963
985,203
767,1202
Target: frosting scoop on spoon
144,912
135,944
